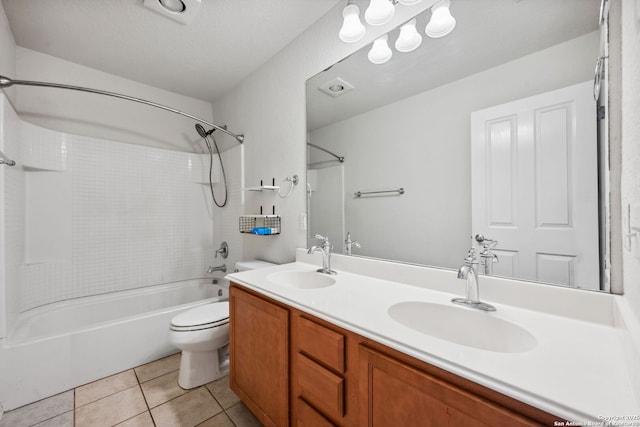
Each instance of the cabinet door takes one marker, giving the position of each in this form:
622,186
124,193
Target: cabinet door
259,343
395,394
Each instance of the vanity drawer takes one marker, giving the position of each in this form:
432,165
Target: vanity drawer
307,416
322,344
320,387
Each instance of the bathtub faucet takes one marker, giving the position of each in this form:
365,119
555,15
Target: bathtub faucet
222,268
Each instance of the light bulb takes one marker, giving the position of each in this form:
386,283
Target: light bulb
441,22
409,2
380,52
379,12
409,38
352,29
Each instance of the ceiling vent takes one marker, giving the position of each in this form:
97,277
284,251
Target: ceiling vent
336,87
183,11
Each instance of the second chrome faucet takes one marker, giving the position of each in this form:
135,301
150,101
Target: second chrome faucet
326,247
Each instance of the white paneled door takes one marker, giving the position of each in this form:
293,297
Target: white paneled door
534,186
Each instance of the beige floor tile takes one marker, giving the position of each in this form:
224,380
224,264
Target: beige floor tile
142,420
223,394
102,388
39,411
242,416
188,410
220,420
112,409
158,367
162,389
64,420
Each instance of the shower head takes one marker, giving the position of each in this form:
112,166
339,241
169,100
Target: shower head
202,132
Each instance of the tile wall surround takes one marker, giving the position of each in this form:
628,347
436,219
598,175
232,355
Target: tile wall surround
12,206
86,216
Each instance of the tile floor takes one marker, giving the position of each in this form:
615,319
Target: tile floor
145,396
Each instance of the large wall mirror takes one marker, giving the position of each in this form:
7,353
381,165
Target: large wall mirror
491,130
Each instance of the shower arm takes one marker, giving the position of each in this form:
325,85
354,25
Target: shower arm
7,82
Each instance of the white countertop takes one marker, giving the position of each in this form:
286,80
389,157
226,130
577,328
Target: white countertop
585,366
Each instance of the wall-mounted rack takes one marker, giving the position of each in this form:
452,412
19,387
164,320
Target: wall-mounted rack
262,188
399,191
263,225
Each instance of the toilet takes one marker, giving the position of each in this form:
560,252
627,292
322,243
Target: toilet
202,333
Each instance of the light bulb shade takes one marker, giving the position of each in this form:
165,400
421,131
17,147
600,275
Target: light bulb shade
379,12
352,29
380,52
409,2
409,38
441,22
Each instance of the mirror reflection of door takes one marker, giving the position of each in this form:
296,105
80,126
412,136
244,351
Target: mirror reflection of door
535,186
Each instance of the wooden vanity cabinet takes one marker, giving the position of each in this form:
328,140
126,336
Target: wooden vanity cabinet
395,393
289,367
259,355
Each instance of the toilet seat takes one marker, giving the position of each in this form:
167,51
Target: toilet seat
206,316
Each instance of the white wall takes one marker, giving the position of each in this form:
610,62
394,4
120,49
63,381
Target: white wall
425,149
269,108
630,181
86,114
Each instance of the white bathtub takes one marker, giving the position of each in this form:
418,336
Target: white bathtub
60,346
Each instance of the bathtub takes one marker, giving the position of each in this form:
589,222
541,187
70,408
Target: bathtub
60,346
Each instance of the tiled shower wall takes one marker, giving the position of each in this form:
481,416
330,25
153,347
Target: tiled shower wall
103,216
12,214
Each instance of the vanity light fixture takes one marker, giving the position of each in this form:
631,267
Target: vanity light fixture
352,29
380,52
441,22
409,38
379,12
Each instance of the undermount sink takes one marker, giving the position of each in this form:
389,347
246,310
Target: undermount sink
468,327
301,279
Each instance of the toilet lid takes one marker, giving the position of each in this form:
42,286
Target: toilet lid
207,313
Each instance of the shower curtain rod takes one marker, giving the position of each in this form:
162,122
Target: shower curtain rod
340,159
7,82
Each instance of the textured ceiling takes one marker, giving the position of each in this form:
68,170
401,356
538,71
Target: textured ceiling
227,40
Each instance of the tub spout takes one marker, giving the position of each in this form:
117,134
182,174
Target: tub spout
222,268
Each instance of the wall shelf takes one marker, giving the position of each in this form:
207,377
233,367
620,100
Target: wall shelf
262,188
262,225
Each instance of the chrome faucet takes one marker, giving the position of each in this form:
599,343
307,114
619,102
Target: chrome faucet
348,244
468,272
222,268
326,249
487,257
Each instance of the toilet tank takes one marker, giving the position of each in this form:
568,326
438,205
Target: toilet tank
252,265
